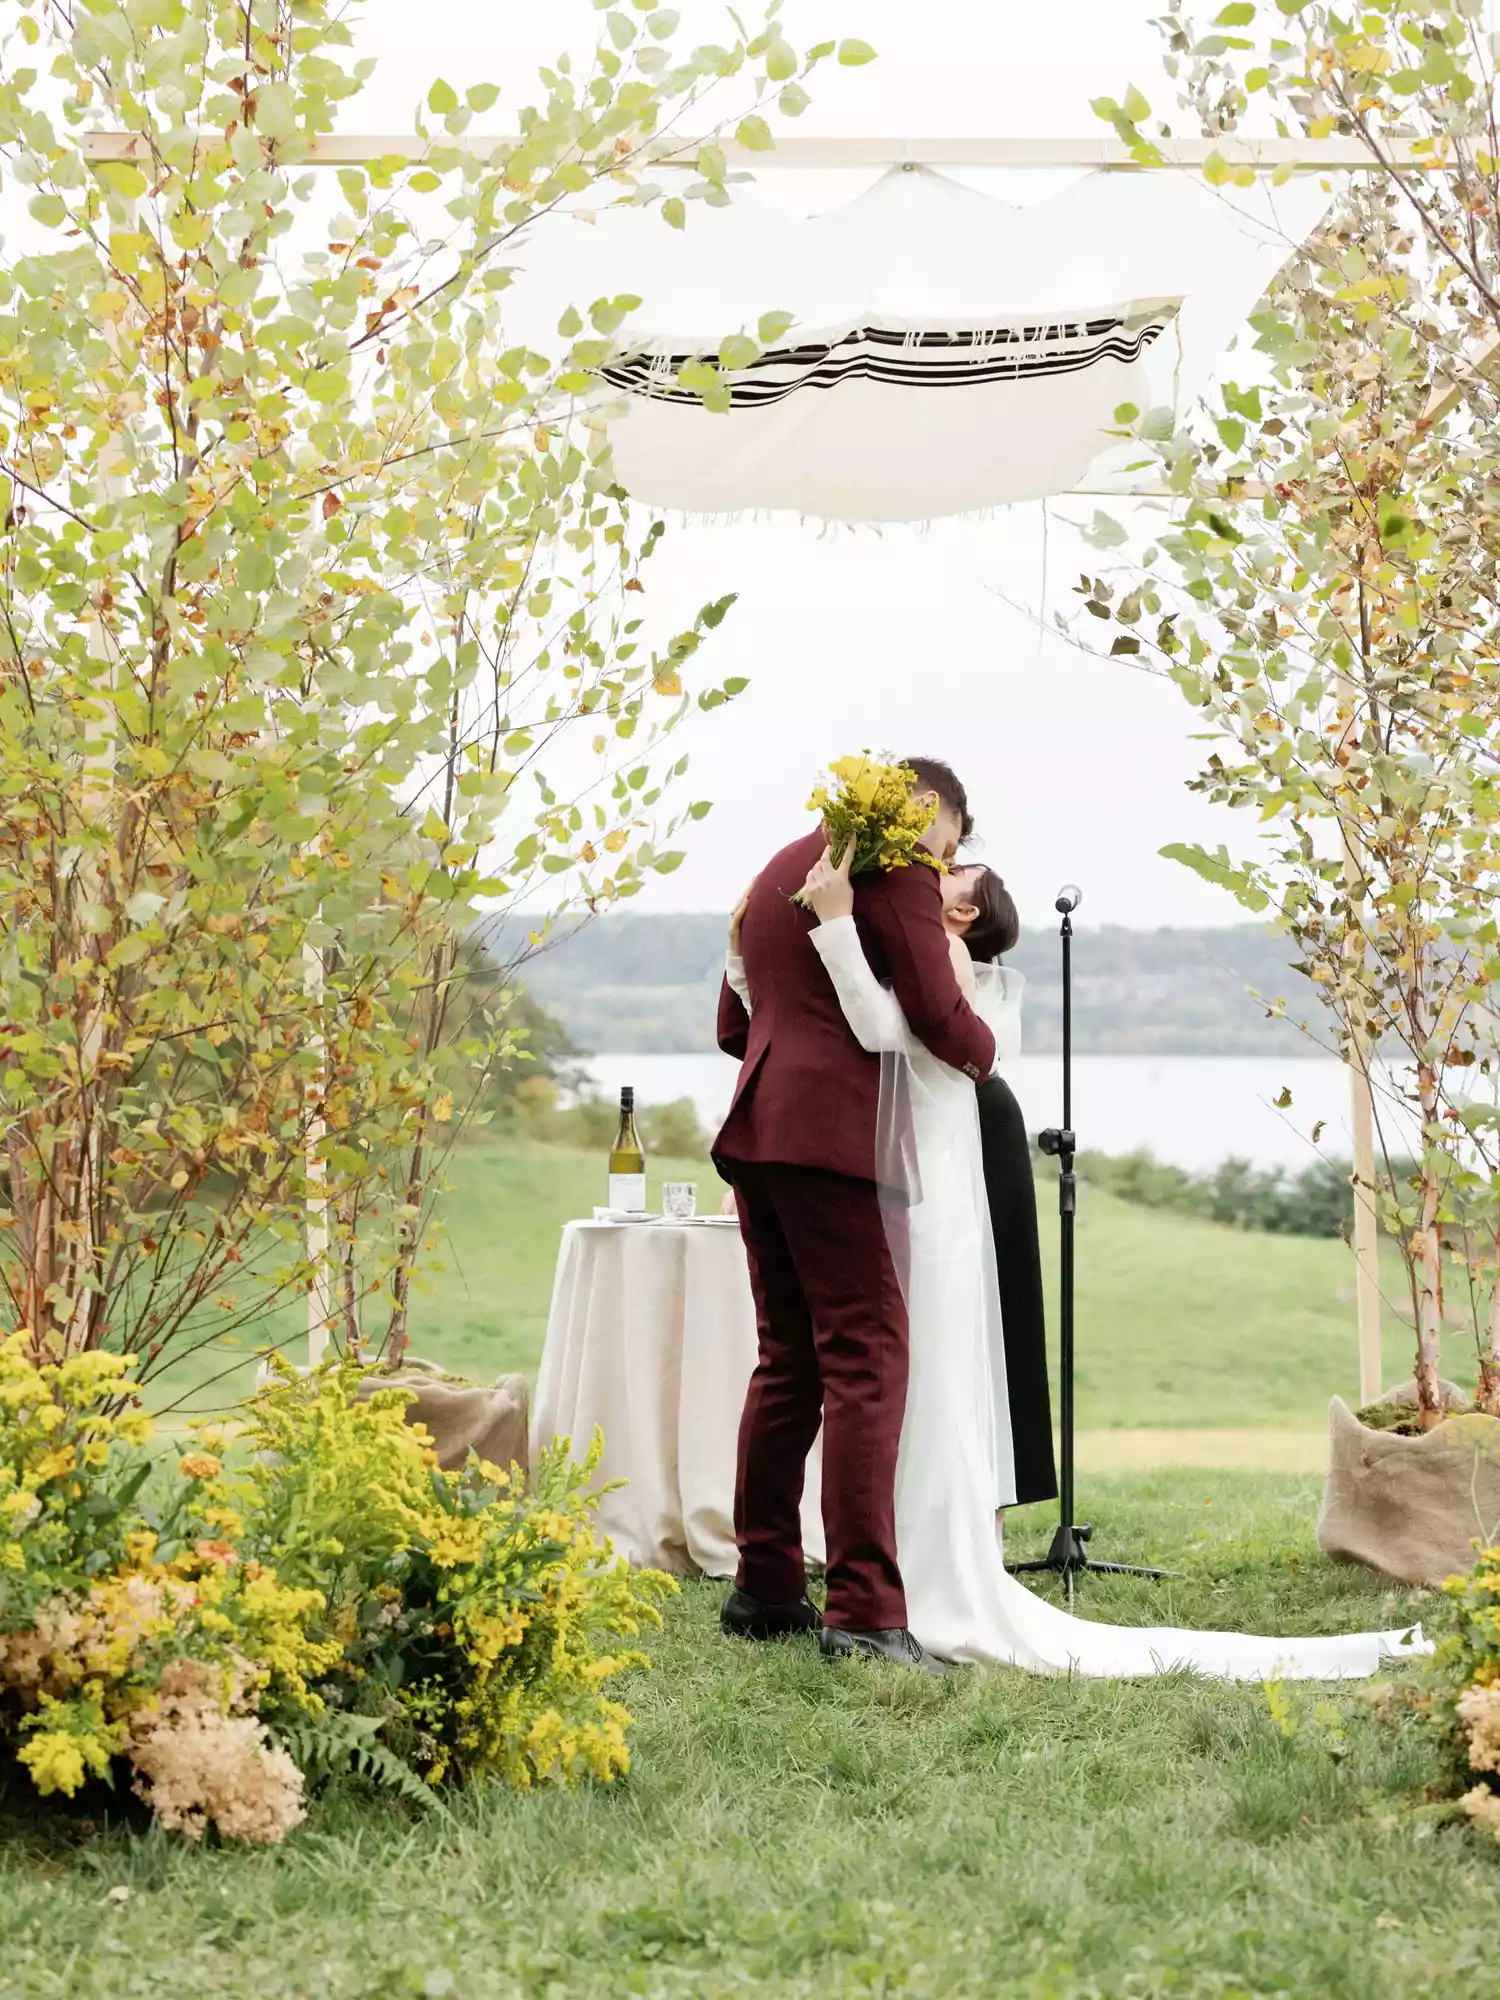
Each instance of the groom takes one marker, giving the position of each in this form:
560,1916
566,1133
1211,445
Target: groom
798,1147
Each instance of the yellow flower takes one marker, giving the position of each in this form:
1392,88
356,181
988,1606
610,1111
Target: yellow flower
55,1464
55,1762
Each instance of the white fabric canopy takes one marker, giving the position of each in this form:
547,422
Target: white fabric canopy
949,352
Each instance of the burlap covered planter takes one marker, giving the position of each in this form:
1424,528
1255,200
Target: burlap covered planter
1410,1508
464,1416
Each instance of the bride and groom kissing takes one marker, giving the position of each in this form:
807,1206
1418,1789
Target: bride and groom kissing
883,1183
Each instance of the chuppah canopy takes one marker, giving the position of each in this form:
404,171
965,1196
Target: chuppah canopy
948,352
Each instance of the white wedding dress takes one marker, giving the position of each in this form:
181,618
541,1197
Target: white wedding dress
954,1468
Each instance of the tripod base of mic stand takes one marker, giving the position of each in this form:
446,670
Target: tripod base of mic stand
1069,1555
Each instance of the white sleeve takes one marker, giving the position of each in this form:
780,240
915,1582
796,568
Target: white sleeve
873,1014
734,973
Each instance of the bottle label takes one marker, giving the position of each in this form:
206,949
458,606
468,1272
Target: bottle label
628,1192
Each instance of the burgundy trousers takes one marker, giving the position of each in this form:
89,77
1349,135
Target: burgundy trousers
833,1344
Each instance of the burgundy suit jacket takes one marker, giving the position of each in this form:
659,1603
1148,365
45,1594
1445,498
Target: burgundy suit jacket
808,1093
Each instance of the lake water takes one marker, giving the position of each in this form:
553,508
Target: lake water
1191,1110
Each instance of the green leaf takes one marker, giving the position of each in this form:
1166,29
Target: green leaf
737,350
1217,170
793,101
124,178
853,54
1257,79
1238,15
480,96
674,212
663,23
1135,106
771,326
781,61
1104,532
1125,643
1218,869
1395,523
275,111
442,98
49,209
755,133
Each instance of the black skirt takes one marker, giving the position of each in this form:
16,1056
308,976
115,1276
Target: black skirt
1011,1191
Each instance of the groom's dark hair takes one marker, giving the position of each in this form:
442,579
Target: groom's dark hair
935,776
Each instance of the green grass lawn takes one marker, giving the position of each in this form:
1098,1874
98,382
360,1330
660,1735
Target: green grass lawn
791,1829
482,1310
1181,1323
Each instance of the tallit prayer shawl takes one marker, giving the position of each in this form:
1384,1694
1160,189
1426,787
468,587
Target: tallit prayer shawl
814,427
948,353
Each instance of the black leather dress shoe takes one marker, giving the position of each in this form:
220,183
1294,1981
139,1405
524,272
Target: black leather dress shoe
895,1644
747,1617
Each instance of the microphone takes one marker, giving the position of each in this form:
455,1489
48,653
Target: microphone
1069,896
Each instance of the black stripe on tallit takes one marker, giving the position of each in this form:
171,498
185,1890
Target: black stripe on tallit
916,361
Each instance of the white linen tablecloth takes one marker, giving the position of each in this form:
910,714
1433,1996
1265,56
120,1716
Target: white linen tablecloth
652,1339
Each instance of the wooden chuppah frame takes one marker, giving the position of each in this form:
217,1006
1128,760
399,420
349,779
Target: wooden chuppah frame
1109,155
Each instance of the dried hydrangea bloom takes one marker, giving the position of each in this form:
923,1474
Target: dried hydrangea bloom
196,1762
1479,1709
1483,1807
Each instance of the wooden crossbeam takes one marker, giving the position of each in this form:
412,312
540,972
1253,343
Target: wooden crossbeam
793,150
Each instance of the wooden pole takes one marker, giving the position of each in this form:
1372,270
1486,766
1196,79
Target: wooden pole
98,800
315,1221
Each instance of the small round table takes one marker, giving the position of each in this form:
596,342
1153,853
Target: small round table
652,1340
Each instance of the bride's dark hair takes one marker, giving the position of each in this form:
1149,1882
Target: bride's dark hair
997,927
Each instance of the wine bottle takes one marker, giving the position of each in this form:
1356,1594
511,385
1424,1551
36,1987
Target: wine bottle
627,1161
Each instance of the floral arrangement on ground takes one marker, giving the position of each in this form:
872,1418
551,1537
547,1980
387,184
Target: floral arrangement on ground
1468,1668
224,1638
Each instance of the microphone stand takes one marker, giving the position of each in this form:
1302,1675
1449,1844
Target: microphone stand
1068,1555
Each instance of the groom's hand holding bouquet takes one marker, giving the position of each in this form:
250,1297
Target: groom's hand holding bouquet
871,818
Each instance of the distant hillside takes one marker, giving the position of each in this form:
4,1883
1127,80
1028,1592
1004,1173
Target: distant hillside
635,983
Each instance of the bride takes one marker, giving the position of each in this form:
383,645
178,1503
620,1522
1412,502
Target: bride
955,1469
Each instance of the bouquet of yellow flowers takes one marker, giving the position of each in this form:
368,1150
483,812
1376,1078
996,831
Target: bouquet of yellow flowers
872,805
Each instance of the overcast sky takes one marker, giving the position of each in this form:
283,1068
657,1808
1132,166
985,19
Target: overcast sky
906,639
901,639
